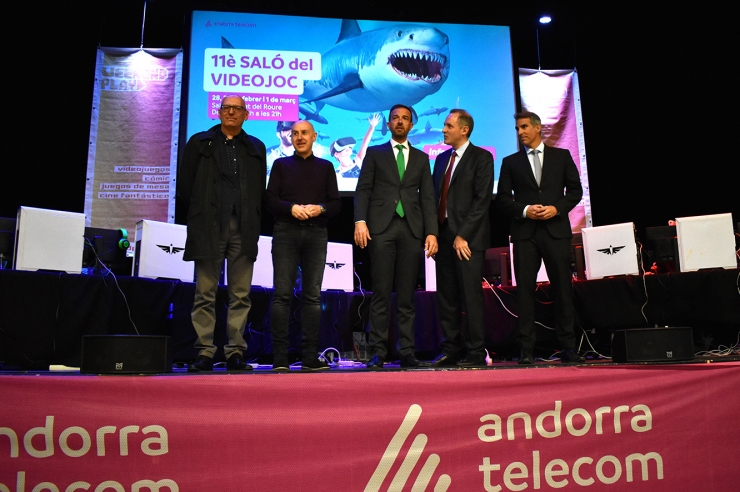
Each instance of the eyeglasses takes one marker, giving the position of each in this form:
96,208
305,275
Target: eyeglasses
236,109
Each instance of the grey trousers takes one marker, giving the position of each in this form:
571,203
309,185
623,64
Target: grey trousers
239,271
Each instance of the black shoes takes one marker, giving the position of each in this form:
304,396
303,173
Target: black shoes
445,361
280,362
473,361
570,356
236,362
376,362
409,360
526,358
202,363
314,364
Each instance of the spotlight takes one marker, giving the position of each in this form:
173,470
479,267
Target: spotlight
545,19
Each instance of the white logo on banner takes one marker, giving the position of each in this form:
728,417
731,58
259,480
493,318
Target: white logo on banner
409,462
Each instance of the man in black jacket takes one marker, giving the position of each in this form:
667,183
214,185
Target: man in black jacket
538,186
463,184
222,178
394,201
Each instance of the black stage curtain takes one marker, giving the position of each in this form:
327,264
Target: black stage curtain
43,316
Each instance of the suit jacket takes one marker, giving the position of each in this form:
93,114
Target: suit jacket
518,188
469,195
379,188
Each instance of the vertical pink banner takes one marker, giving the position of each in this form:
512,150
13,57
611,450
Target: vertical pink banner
132,157
555,97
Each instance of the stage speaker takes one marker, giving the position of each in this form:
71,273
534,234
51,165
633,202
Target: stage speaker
653,345
126,354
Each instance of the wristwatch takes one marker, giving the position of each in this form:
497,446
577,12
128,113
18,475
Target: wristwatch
322,207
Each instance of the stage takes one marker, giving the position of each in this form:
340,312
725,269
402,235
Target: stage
43,316
637,427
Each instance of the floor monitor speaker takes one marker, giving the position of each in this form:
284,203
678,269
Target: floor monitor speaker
126,354
653,345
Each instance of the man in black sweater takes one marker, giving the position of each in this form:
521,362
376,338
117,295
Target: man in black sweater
302,194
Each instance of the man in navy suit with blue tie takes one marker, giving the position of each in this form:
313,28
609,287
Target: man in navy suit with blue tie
538,186
395,217
463,184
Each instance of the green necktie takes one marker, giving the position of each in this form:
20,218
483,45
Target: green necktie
401,168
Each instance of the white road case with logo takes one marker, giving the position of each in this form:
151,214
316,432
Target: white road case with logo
338,271
610,250
159,249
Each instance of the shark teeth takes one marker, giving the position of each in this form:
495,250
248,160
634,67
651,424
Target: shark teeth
419,65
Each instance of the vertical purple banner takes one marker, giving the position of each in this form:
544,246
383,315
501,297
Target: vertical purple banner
132,157
554,95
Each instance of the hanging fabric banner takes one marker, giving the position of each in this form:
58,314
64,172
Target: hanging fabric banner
555,96
132,156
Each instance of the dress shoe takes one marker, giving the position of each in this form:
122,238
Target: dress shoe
409,360
473,361
375,362
526,358
445,361
314,364
202,363
235,362
570,356
280,362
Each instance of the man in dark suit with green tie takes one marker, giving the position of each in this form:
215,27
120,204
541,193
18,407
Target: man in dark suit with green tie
395,217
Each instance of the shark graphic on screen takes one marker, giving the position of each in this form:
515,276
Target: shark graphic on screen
373,70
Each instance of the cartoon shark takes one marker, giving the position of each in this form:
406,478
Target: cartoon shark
371,71
311,113
433,110
429,135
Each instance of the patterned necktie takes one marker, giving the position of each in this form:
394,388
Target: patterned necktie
537,166
401,162
231,155
442,212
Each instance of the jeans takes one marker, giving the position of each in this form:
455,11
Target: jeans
294,244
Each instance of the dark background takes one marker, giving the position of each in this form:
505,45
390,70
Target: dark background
657,89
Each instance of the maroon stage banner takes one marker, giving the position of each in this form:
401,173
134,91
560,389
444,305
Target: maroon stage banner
556,98
637,428
132,156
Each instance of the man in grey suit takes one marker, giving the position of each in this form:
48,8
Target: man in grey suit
530,190
395,216
463,182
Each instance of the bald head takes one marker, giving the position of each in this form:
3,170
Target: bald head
303,136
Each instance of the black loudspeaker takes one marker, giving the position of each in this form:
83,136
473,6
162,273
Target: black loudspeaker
653,345
126,354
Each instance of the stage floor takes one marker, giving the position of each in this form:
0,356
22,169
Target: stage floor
347,367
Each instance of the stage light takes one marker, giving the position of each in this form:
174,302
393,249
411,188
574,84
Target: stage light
545,19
